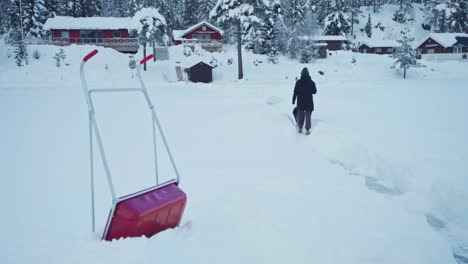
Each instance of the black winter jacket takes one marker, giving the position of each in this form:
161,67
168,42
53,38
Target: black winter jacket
303,91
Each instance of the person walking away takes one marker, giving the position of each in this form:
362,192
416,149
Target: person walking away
303,91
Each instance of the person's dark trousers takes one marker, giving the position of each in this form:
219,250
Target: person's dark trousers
304,114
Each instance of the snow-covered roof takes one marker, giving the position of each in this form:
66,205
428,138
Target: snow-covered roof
102,23
371,43
444,39
178,34
331,38
324,38
192,61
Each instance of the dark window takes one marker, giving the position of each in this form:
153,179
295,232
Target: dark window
201,36
91,36
117,34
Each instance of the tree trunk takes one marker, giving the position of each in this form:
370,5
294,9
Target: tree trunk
154,51
404,73
239,51
144,56
352,24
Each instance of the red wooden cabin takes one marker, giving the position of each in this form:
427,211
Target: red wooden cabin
443,46
381,47
204,34
110,32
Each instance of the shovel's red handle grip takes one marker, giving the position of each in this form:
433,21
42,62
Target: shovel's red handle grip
90,55
149,57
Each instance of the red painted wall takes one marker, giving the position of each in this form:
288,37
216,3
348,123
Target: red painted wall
437,47
374,50
213,34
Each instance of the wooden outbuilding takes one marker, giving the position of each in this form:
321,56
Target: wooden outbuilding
112,32
200,72
325,42
381,47
334,42
443,46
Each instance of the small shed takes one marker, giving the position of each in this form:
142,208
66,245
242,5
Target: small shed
200,72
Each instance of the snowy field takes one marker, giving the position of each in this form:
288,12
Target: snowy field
382,178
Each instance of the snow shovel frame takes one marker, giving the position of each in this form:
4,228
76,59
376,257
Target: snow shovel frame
93,127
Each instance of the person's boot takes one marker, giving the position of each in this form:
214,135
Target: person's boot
308,132
300,130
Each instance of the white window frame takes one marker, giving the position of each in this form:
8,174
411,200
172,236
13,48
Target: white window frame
65,34
201,36
430,51
378,50
390,50
457,49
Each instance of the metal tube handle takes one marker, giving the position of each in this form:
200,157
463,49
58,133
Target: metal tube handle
90,55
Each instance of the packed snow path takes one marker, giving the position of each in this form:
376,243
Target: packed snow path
360,189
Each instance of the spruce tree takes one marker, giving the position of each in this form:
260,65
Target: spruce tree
152,29
16,33
238,14
336,23
203,9
268,38
458,19
368,28
405,55
190,16
355,11
296,18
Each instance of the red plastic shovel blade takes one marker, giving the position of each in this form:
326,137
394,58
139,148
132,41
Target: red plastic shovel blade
147,214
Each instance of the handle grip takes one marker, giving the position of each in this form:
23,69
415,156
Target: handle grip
90,55
149,57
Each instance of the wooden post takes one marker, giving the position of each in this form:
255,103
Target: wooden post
239,50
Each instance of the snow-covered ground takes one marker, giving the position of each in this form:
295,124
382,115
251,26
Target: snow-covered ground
382,178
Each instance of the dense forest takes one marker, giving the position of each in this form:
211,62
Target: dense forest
267,27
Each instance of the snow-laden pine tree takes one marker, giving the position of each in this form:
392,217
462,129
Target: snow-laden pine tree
404,13
440,14
55,8
4,16
16,33
354,13
204,8
130,7
152,28
336,23
405,54
458,19
296,17
239,14
35,17
84,8
268,38
368,27
324,8
190,14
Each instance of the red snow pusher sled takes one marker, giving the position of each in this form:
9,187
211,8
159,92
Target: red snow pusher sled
146,212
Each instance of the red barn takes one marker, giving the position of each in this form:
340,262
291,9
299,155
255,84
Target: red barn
443,46
204,34
110,32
